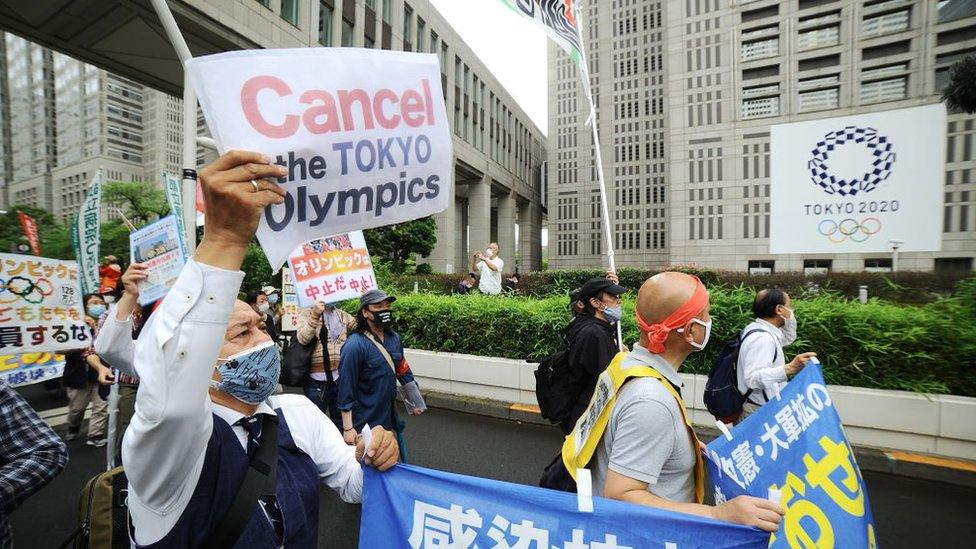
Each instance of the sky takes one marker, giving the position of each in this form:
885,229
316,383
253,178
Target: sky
513,49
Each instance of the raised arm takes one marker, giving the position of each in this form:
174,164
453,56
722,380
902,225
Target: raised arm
177,350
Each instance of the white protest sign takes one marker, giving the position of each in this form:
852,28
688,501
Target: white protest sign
332,269
289,302
364,135
853,184
41,305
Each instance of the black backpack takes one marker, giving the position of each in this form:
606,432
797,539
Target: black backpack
552,390
722,396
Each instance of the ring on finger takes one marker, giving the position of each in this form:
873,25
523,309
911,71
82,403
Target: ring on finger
255,185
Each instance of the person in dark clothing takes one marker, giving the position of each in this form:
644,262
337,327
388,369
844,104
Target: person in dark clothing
258,300
592,341
464,286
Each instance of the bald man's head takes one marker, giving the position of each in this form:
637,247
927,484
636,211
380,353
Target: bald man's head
663,294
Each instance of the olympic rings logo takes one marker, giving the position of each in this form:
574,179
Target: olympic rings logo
849,229
24,288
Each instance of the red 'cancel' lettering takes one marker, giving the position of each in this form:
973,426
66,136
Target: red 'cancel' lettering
337,111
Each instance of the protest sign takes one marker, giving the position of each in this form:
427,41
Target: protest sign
364,135
40,305
419,508
332,269
158,245
174,195
86,236
289,302
30,232
795,444
28,368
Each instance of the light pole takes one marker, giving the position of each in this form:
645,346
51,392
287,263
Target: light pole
895,244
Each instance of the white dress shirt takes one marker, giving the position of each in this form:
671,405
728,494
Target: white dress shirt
114,343
762,365
489,281
165,445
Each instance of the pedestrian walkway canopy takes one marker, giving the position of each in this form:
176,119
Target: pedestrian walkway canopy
121,36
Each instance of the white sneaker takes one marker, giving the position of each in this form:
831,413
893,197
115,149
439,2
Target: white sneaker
97,442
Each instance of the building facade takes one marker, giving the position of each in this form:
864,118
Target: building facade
687,91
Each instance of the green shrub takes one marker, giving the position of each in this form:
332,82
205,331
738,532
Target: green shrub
929,348
902,287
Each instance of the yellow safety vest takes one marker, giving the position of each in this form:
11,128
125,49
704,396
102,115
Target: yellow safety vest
580,445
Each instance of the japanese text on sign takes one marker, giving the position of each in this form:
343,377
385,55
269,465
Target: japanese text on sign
40,305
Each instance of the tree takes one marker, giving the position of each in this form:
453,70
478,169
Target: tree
397,243
960,93
141,203
257,270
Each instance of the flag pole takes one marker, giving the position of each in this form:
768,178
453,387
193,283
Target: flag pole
189,123
591,120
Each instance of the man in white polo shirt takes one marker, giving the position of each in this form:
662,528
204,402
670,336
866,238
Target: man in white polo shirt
489,267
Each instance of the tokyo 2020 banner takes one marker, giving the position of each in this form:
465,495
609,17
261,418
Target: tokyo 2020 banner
852,184
364,135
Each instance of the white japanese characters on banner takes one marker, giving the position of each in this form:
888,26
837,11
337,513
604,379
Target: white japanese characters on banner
160,247
28,368
40,305
332,269
364,135
289,302
86,236
854,184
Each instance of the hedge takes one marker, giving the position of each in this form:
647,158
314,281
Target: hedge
928,348
902,287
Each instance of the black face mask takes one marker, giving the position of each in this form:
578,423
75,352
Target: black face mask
383,319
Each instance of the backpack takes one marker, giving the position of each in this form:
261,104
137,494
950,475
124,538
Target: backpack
552,391
722,396
103,513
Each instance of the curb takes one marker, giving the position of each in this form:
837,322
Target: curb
881,460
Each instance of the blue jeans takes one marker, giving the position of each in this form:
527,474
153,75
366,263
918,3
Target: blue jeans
326,397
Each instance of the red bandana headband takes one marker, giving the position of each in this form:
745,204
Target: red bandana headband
658,333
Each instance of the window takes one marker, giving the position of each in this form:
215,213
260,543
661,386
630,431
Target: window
819,99
761,267
950,10
407,24
326,14
421,34
347,32
759,108
884,90
819,38
760,49
953,264
289,11
371,4
387,7
884,24
369,42
878,265
433,42
817,266
265,3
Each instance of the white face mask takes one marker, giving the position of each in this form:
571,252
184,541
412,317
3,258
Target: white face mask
264,308
789,327
708,333
488,252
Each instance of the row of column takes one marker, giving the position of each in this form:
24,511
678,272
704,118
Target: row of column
467,228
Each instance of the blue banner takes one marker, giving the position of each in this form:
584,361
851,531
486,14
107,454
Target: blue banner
419,508
795,444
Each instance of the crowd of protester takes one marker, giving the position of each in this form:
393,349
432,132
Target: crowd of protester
200,402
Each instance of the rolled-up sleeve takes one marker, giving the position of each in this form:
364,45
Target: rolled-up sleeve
174,359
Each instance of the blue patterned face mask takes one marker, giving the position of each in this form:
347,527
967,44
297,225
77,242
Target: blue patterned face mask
251,375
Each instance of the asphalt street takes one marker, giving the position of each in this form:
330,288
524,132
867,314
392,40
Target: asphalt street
908,512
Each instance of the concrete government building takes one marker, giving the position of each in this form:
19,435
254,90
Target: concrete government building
499,153
687,91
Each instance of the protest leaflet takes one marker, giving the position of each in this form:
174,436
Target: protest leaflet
418,508
28,368
41,305
795,445
332,269
363,133
159,246
289,302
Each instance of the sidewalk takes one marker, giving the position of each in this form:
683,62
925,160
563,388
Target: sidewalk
921,466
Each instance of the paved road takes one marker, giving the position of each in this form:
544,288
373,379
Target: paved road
909,513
